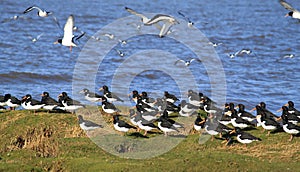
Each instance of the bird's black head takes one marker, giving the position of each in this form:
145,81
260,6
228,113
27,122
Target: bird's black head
241,107
58,41
63,94
284,109
263,105
28,96
290,13
105,87
45,94
291,104
144,94
7,96
134,92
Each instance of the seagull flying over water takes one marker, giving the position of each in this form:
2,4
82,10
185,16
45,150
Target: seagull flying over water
289,56
120,53
15,17
190,23
215,44
34,39
241,53
40,13
169,21
68,38
187,62
294,13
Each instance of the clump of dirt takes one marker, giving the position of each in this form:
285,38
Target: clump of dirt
40,140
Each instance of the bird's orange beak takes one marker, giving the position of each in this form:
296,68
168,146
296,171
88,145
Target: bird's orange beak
253,109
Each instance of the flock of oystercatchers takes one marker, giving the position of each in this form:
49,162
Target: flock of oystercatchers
155,114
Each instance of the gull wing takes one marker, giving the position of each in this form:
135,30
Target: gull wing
68,29
31,8
157,18
180,60
287,5
165,28
144,18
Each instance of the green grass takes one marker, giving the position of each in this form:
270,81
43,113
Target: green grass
55,142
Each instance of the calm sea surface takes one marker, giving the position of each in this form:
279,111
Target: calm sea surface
28,67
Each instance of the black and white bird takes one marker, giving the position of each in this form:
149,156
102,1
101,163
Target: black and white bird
134,117
244,137
187,62
109,36
289,56
108,107
170,97
174,123
289,127
144,19
290,117
168,21
87,125
40,13
124,42
268,124
120,52
121,125
11,101
239,122
245,114
194,98
187,109
244,51
199,123
90,96
146,99
68,38
29,103
294,13
35,39
13,18
146,125
187,19
215,44
69,104
166,126
50,103
111,97
292,109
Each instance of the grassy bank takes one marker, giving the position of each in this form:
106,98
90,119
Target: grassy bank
55,142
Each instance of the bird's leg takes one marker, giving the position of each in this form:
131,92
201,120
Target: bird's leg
263,130
145,133
291,138
268,133
70,48
212,138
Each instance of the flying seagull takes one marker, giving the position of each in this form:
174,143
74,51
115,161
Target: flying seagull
294,13
190,23
68,38
164,29
40,13
187,62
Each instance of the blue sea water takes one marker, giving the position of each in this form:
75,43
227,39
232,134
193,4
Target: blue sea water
27,67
